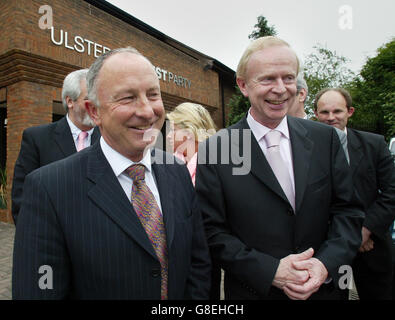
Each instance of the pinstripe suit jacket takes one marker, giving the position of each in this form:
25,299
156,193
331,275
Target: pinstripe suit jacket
76,218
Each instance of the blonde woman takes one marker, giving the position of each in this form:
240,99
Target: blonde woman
190,124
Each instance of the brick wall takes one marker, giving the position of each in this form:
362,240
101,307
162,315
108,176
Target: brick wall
28,104
79,18
32,67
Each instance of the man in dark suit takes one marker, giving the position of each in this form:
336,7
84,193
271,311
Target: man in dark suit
297,109
47,143
276,240
373,174
120,219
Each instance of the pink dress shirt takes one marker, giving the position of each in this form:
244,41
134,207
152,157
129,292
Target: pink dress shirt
191,165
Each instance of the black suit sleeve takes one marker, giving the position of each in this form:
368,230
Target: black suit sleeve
346,216
39,243
198,282
28,160
380,215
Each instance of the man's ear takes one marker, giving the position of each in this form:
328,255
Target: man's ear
350,111
69,102
242,85
93,112
303,95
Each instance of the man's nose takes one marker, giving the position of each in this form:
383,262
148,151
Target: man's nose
279,86
331,116
144,108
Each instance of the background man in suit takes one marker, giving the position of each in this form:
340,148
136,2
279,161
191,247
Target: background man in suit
54,141
374,179
273,239
297,109
114,221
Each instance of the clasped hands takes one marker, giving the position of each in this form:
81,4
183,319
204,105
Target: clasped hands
300,275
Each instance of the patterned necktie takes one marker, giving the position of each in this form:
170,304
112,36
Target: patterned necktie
81,140
278,165
148,211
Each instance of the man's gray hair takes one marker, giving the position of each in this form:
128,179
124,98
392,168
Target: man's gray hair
91,79
72,86
301,83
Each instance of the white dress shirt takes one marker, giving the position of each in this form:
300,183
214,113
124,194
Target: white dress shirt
259,131
75,131
119,164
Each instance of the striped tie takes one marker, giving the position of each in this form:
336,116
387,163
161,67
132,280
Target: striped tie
148,211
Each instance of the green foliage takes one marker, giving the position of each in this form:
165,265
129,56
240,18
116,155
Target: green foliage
389,114
324,69
238,104
262,29
373,93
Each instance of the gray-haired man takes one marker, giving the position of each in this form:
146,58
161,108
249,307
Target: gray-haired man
47,143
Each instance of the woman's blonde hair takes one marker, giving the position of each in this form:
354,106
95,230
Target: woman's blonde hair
194,117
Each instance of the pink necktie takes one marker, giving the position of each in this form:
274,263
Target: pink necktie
148,211
278,165
81,140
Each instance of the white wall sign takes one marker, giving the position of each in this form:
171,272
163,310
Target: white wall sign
77,43
171,77
81,45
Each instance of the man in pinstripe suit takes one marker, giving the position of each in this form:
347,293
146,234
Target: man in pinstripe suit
78,233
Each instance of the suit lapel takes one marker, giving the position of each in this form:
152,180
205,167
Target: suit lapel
260,168
63,138
109,196
354,150
165,183
302,148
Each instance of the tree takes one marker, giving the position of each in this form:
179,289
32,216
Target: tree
262,29
373,93
324,69
239,104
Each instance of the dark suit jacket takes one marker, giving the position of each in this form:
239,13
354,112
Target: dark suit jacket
41,145
76,218
373,173
249,222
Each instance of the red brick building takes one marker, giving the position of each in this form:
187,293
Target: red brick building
43,41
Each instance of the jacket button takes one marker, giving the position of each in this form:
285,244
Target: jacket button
290,212
155,273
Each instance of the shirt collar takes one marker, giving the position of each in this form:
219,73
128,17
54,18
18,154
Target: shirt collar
260,130
120,163
75,131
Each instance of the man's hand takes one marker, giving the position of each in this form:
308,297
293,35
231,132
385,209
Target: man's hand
367,243
317,276
287,273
